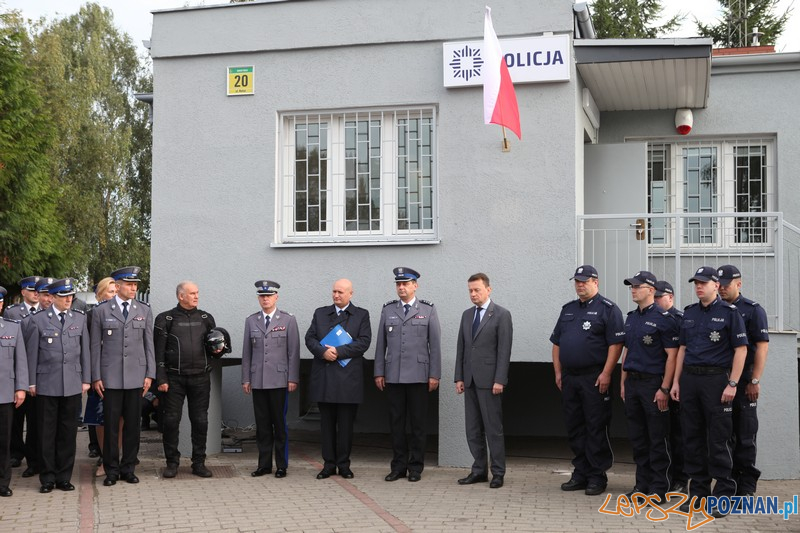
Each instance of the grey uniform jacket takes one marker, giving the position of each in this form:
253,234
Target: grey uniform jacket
13,361
58,356
486,358
270,359
122,350
16,312
408,346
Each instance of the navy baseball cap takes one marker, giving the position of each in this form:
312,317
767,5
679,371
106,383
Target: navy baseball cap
704,274
3,293
584,273
663,287
728,273
643,277
405,274
266,286
29,283
41,285
129,273
62,287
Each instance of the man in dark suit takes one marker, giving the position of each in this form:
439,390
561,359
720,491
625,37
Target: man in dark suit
123,367
13,384
59,372
270,370
337,376
483,356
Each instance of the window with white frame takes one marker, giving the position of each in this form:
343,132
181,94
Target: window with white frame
711,176
357,176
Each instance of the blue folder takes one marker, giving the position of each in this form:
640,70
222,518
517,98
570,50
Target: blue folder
337,337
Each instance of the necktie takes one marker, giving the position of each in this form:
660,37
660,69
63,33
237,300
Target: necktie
266,322
407,307
477,321
125,310
61,318
32,310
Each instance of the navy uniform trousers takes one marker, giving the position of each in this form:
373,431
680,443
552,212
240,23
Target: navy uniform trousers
269,409
408,401
707,427
57,442
6,415
648,429
745,428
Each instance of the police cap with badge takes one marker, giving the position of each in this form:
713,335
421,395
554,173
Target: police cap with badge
585,273
643,277
728,273
129,273
705,274
29,283
266,287
663,287
62,287
402,274
43,284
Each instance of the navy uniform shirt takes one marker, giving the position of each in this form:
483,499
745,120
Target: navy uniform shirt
585,330
648,332
711,333
755,322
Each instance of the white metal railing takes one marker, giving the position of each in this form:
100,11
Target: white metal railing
764,247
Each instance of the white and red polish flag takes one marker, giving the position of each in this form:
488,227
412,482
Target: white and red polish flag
499,98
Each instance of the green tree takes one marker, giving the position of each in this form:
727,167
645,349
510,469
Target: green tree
630,19
90,72
740,18
32,232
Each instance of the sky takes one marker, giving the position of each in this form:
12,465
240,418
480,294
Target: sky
133,16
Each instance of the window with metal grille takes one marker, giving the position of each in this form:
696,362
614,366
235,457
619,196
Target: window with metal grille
711,176
357,176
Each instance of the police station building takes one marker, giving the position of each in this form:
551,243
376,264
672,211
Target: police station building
303,141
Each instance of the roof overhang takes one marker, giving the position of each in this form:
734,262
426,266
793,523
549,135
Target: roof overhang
645,74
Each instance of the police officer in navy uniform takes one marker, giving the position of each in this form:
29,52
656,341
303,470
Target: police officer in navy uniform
28,306
665,299
123,367
587,343
31,444
648,365
713,348
59,365
13,386
745,415
183,373
270,371
337,376
408,366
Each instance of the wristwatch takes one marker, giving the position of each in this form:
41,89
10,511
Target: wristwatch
664,390
755,381
732,384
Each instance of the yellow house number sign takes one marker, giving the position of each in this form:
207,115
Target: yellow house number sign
241,80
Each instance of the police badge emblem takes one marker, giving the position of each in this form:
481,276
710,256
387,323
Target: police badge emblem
587,325
714,336
647,339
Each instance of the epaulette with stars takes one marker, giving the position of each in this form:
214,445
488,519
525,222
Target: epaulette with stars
609,303
77,311
256,313
12,320
103,302
426,302
287,313
391,302
143,302
665,313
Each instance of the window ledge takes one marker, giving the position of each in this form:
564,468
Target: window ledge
328,244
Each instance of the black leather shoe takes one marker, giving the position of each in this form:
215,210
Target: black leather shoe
130,478
66,486
15,462
678,486
593,489
497,482
47,487
325,474
280,472
94,454
394,476
5,492
414,476
573,484
109,481
200,470
29,472
346,473
170,471
258,472
471,479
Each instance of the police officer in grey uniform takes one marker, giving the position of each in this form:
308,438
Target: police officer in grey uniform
270,370
123,367
28,306
59,366
408,366
13,384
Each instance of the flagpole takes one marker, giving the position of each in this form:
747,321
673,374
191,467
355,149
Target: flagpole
506,144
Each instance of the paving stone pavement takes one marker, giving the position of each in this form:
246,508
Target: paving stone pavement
233,501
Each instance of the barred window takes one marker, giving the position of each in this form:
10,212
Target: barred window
357,176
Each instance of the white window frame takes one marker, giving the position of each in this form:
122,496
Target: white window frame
725,185
336,232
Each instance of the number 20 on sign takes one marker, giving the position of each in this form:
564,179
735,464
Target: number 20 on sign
241,80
